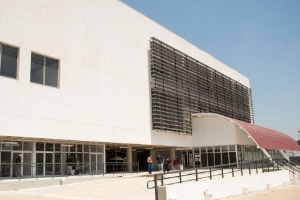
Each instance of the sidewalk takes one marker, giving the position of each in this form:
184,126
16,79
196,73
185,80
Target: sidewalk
289,192
128,187
118,187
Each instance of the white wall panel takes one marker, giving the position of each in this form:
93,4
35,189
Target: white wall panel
24,126
103,50
170,139
212,131
242,137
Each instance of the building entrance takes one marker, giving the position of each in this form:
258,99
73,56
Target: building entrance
96,163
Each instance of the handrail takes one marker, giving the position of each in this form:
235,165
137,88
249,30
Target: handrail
284,165
295,164
208,172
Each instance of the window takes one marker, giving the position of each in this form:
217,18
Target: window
8,61
44,70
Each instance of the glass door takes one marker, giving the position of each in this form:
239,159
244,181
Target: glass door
17,170
48,163
96,163
27,166
40,164
6,167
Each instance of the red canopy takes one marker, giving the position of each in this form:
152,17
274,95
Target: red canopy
269,139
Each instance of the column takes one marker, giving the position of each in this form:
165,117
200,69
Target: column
172,156
129,159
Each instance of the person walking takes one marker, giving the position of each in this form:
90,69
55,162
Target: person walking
77,166
160,162
18,166
167,164
69,165
149,161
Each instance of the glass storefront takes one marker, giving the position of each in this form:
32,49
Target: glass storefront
48,158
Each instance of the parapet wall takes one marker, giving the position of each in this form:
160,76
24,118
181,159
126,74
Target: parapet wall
222,188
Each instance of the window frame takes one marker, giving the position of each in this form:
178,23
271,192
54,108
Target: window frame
45,57
17,62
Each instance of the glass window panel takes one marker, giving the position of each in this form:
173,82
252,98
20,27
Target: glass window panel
100,148
86,148
39,163
232,156
79,147
86,158
49,146
57,158
73,148
39,146
28,146
217,149
57,161
93,148
209,149
9,59
224,148
57,147
232,148
6,147
196,150
49,157
40,158
17,146
203,149
51,76
5,164
37,69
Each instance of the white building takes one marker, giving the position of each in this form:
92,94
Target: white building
77,77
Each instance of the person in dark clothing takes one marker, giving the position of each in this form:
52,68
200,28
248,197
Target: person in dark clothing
160,162
18,166
167,164
69,165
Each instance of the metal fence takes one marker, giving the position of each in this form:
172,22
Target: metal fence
239,168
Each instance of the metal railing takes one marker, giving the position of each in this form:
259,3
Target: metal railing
291,166
195,174
37,170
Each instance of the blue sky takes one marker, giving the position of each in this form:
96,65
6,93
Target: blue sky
258,38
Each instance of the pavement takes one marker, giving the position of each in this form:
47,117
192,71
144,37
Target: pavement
288,192
127,187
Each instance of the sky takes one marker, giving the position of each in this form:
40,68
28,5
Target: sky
259,39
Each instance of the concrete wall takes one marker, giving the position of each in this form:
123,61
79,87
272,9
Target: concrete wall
103,51
216,131
222,188
212,131
242,137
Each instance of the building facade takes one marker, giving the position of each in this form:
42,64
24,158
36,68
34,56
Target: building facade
101,82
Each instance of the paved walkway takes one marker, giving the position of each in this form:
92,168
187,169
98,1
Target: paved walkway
289,192
128,187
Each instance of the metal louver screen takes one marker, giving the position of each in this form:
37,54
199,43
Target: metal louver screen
181,86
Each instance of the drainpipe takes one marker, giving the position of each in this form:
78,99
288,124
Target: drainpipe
284,155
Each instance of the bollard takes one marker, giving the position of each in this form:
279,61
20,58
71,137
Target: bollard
284,183
245,190
172,198
207,195
268,186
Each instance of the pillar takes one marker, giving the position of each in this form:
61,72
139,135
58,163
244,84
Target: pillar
129,159
172,156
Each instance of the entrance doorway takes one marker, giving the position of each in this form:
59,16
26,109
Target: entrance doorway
96,163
